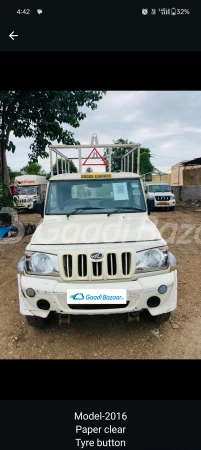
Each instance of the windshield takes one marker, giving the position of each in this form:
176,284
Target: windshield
27,191
159,188
95,197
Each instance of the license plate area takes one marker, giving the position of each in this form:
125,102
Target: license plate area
97,297
98,306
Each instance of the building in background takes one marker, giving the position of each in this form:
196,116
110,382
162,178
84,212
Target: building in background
162,177
177,174
192,172
180,172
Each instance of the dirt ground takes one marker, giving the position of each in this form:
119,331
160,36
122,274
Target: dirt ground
111,337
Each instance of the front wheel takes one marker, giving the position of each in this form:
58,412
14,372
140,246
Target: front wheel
161,318
171,208
35,321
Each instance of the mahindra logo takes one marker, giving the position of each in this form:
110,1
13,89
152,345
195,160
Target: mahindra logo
96,256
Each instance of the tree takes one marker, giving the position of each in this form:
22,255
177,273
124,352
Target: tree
13,174
40,115
89,170
73,168
145,155
6,201
32,169
145,163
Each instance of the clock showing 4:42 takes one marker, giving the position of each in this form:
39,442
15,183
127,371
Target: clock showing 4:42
23,11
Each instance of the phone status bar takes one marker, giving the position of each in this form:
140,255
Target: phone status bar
165,12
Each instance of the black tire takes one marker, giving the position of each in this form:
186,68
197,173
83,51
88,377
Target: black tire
161,318
171,208
35,321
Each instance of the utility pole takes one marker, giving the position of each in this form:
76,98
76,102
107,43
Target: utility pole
138,159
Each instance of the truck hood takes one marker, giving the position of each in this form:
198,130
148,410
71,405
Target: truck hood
95,229
152,194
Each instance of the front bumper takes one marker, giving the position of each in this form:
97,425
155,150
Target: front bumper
168,204
138,292
25,205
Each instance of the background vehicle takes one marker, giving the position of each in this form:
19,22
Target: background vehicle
162,194
31,189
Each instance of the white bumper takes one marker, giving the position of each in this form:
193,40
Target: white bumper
138,292
29,205
168,203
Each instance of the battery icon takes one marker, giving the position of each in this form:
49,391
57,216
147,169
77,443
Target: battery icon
173,11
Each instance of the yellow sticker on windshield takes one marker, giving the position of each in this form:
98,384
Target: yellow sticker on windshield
96,175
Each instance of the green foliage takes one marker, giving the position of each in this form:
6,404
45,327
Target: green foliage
6,201
40,115
145,155
73,168
12,173
145,163
32,169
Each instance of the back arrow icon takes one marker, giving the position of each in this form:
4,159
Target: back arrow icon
12,36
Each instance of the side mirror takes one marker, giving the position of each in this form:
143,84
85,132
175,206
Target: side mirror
145,191
39,208
150,205
172,191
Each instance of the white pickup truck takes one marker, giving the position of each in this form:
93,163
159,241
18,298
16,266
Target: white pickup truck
162,194
97,254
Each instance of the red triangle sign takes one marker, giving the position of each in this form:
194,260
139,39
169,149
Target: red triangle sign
97,154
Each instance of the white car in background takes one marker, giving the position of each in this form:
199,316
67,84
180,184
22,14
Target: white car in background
162,194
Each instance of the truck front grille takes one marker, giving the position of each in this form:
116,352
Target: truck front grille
126,263
82,265
68,266
117,265
111,264
97,268
160,197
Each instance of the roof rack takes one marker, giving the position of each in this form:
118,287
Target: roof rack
65,162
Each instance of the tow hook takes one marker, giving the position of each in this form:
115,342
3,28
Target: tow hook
134,316
64,319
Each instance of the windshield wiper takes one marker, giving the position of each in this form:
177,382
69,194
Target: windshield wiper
125,207
81,209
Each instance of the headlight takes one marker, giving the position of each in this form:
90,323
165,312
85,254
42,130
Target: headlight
152,259
41,264
150,196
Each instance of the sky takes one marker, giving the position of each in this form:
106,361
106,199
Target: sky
166,122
